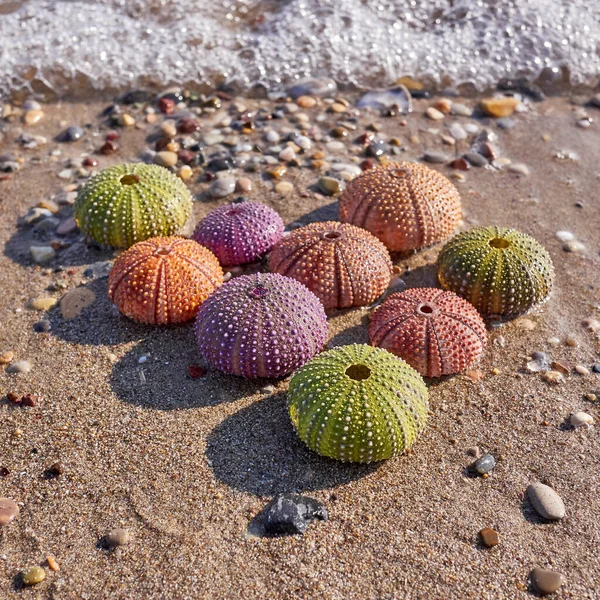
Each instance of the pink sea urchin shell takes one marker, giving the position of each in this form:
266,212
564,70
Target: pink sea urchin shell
261,325
240,233
435,331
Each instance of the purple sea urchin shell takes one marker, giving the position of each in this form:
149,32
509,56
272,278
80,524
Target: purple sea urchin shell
240,233
261,325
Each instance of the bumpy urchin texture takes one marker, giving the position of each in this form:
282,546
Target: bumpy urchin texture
406,205
342,264
358,403
163,280
261,325
129,203
240,233
435,331
502,272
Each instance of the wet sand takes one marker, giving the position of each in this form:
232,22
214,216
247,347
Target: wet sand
187,464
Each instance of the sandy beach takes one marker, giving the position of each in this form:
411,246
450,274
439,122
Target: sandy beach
187,464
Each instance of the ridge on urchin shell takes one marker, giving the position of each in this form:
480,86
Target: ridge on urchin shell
261,325
504,273
240,233
358,404
435,331
163,280
406,205
129,203
342,264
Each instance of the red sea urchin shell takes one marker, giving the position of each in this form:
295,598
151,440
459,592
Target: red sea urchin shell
406,205
435,331
342,264
240,233
163,280
261,325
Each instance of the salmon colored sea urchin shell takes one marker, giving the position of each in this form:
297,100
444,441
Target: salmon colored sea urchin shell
342,264
406,205
163,280
435,331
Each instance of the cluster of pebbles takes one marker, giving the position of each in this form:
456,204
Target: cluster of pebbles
229,147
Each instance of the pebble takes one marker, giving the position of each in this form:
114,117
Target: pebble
432,156
545,581
476,159
65,174
539,362
489,537
43,326
553,377
461,164
595,368
54,566
277,172
303,142
166,158
457,132
284,187
335,146
306,101
287,154
222,187
33,575
32,117
461,110
313,87
500,106
546,502
292,513
35,214
582,370
98,269
75,301
43,303
471,128
554,341
580,418
380,99
329,185
377,148
185,172
169,128
21,367
574,246
6,357
562,366
73,133
9,511
519,168
506,123
118,537
434,114
42,254
484,464
243,185
565,236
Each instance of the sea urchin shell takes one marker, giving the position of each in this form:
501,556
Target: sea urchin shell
261,325
163,280
435,331
502,272
342,264
129,203
406,205
240,233
358,403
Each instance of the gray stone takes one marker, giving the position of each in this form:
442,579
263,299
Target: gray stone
457,131
545,581
19,367
118,537
222,187
42,254
476,159
47,224
546,502
432,156
43,326
484,464
506,123
292,513
329,185
73,133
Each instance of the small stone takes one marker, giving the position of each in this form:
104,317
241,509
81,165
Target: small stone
580,418
166,158
592,325
43,303
287,154
544,581
565,236
292,513
20,367
476,159
72,134
434,114
475,375
329,185
553,377
338,107
32,117
444,105
595,368
52,564
268,389
489,537
33,575
196,371
519,168
484,464
169,128
562,366
539,362
222,187
461,164
75,301
243,185
506,123
43,326
461,110
335,146
118,537
185,172
42,254
546,502
574,246
554,341
457,132
56,469
277,172
29,400
591,397
500,106
6,357
432,156
306,101
109,147
386,99
272,136
188,125
284,187
9,511
571,342
582,370
376,149
303,142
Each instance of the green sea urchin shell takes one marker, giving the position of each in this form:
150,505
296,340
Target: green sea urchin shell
358,404
502,272
129,203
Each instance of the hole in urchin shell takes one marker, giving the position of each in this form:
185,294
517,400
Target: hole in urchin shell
426,309
332,235
130,179
260,291
400,172
163,251
358,372
234,211
500,243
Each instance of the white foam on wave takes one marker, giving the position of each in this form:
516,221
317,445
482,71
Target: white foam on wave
369,43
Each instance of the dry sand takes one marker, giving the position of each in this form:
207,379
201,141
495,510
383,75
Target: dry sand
187,464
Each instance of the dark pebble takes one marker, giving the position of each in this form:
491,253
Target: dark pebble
166,105
136,97
4,472
89,162
56,469
109,147
98,269
12,397
377,148
461,164
596,368
42,326
188,125
186,157
220,164
476,159
292,513
29,400
72,134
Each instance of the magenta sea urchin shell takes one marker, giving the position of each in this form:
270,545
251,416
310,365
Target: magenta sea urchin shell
240,233
435,331
261,325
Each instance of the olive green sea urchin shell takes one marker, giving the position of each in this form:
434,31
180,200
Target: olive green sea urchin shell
502,272
358,404
129,203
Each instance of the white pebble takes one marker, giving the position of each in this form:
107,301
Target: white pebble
565,236
580,418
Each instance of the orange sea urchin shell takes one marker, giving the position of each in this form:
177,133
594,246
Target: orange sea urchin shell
406,205
435,331
342,264
163,280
